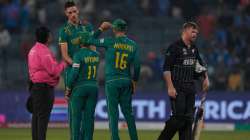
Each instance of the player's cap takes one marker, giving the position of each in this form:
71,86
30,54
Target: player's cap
84,38
119,24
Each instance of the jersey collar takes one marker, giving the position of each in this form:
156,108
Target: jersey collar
72,25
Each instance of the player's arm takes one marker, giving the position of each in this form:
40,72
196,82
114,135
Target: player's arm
103,27
64,52
72,75
104,42
168,64
64,46
206,83
137,69
74,71
90,28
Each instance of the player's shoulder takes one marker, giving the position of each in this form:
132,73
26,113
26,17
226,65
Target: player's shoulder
94,52
81,52
64,27
132,42
170,48
177,42
78,53
174,45
86,25
107,40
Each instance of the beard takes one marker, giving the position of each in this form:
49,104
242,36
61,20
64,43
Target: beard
74,19
193,39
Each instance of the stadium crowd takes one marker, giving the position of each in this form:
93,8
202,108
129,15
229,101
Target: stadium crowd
224,34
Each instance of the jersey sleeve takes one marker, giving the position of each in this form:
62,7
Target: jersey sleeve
198,57
89,27
103,42
137,65
201,68
62,36
74,71
169,59
95,34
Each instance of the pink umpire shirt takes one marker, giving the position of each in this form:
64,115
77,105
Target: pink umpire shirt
43,67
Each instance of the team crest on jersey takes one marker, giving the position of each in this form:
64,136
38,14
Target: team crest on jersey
184,50
75,41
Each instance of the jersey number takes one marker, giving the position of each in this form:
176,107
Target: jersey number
90,73
120,60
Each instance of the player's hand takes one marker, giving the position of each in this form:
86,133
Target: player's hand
172,92
105,26
205,84
67,94
133,86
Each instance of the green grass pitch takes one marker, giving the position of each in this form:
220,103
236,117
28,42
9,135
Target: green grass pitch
63,134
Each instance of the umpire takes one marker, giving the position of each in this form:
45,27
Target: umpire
179,68
44,72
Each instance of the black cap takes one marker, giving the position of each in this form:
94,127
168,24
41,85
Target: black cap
42,34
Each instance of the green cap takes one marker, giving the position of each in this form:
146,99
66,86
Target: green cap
119,24
84,38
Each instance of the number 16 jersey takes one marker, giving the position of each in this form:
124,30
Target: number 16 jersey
121,55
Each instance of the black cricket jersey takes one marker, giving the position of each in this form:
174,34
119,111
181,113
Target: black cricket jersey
181,60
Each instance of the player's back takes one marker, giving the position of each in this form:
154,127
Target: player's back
119,58
89,61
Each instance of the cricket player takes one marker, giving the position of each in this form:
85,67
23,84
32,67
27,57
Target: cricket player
69,41
121,54
68,33
181,58
82,88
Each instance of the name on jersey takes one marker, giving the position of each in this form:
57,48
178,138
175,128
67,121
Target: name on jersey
123,47
91,59
188,61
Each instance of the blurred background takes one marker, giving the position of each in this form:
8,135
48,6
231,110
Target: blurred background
224,43
224,35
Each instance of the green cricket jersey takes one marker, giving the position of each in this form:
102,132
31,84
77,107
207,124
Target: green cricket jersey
121,54
68,33
84,68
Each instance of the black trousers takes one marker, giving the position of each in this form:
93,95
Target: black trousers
182,113
42,102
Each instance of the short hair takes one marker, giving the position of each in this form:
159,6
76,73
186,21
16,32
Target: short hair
190,24
42,34
69,4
